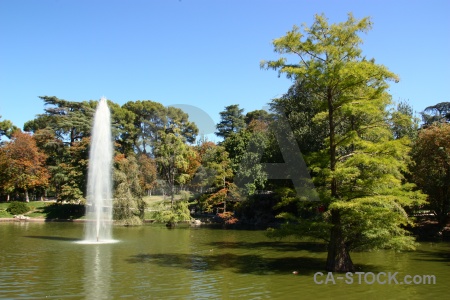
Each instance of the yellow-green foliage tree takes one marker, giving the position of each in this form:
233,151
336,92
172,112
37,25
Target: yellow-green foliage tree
358,171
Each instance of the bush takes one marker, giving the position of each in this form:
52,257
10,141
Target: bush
18,208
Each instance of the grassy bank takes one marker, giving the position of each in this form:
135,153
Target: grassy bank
47,210
51,210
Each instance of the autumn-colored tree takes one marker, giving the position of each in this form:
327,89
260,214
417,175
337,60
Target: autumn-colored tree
74,169
22,164
215,173
147,172
431,169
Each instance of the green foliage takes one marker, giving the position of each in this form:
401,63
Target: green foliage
172,214
172,156
18,208
402,121
237,145
152,118
214,170
69,120
59,211
6,128
129,207
232,121
4,213
258,115
438,113
300,106
250,175
358,168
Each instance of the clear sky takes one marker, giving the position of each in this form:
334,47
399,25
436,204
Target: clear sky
200,53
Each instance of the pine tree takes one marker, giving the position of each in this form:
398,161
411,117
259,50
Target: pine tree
232,120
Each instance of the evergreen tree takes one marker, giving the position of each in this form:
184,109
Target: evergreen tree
436,113
232,121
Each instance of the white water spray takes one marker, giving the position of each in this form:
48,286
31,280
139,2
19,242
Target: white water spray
99,195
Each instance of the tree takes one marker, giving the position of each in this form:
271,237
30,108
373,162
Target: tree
6,128
214,173
431,168
403,122
232,120
147,172
152,118
71,121
22,164
260,115
250,175
300,105
71,171
358,171
172,158
123,128
436,113
129,207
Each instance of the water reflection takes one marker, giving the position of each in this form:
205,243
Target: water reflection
97,271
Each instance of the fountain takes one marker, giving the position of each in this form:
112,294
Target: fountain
99,195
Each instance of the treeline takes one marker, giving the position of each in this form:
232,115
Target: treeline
334,158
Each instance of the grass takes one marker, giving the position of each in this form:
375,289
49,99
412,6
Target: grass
36,211
51,210
47,210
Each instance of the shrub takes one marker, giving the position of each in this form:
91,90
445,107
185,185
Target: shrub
18,208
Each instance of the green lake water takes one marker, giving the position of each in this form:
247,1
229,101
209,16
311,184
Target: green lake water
43,261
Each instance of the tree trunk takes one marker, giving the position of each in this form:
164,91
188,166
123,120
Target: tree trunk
338,259
27,197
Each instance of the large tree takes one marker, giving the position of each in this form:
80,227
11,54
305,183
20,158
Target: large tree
232,120
70,120
431,168
358,171
6,128
152,118
172,156
439,113
214,174
129,206
22,165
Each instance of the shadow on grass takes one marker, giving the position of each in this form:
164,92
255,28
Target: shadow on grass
58,211
53,238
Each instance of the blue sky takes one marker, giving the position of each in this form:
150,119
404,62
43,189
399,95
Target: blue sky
205,54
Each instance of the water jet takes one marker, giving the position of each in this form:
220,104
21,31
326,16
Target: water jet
98,226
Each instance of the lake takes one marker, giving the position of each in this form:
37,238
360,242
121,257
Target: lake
43,261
